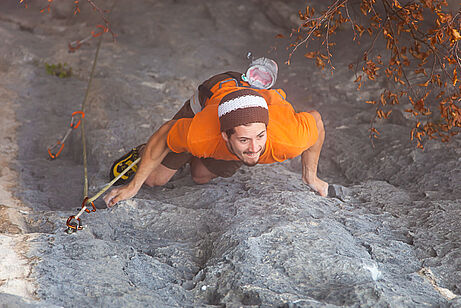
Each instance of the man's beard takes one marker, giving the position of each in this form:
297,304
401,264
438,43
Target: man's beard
231,149
249,164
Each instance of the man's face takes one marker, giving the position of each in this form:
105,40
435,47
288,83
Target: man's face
248,142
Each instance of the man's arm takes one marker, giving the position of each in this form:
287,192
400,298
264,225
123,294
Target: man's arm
155,150
310,160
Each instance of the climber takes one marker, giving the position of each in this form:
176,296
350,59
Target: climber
231,120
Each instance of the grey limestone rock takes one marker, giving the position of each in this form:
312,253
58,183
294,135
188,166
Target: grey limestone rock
261,238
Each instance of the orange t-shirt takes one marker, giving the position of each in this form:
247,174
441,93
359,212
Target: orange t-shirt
288,133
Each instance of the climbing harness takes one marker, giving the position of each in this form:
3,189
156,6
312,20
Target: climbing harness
56,149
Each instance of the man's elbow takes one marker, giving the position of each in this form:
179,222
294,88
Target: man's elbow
165,128
318,121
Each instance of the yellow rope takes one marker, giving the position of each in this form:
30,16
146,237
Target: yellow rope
109,185
96,196
85,161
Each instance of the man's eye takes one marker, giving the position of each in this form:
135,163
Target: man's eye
243,140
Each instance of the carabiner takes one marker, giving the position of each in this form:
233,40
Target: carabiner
75,126
60,143
73,226
86,208
103,30
50,149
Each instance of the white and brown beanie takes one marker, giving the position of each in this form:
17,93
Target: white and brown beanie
242,107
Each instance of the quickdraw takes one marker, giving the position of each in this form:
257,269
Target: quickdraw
74,223
73,46
73,226
56,149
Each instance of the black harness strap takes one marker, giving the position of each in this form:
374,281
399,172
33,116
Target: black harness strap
205,88
205,91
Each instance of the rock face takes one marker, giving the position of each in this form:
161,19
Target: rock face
387,235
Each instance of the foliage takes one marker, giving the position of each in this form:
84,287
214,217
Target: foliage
421,58
60,70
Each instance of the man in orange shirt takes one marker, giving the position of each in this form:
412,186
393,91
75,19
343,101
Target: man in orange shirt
229,122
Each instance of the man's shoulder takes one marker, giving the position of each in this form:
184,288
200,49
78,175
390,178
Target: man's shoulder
290,131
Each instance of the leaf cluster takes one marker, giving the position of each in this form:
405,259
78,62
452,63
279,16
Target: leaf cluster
421,58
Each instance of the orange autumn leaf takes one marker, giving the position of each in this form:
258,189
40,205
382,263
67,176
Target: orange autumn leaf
319,62
455,77
455,34
424,84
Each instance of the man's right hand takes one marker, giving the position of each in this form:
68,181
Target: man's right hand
119,194
154,152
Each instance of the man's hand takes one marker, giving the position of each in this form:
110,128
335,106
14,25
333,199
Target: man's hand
155,150
321,187
119,194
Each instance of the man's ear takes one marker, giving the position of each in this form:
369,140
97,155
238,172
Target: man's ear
224,136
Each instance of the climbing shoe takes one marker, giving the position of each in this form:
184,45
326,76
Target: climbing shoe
122,163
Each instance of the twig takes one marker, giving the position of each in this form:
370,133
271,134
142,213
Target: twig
319,21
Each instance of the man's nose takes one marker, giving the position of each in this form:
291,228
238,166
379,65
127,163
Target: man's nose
253,146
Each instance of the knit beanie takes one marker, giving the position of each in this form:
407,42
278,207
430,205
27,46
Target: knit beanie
242,107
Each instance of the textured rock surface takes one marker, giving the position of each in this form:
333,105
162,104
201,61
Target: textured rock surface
387,235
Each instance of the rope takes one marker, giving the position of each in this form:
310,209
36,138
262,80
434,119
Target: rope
72,226
85,160
105,188
109,185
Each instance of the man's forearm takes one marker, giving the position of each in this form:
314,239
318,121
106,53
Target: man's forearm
310,159
155,150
